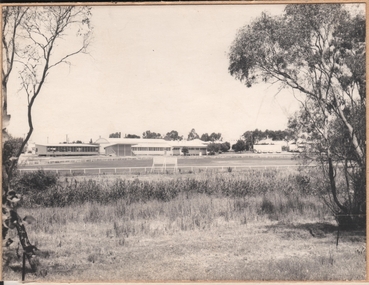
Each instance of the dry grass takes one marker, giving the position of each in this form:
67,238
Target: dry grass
196,236
74,191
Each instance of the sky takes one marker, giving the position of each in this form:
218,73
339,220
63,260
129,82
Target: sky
157,68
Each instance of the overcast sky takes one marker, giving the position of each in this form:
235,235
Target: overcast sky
157,68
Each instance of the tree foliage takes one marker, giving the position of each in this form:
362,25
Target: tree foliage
213,148
173,136
205,137
317,50
151,135
253,137
115,135
185,150
218,147
132,136
11,148
212,137
34,42
192,135
35,46
239,146
13,18
224,147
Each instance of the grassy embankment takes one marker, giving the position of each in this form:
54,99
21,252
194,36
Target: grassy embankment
254,225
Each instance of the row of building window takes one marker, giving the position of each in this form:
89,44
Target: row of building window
162,148
72,149
190,148
151,148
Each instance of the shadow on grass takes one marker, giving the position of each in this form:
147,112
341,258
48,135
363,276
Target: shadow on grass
18,269
317,230
12,262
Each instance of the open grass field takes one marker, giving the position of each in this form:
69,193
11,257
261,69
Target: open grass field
235,160
153,250
252,225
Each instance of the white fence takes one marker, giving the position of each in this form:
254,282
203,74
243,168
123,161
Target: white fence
71,160
132,170
62,160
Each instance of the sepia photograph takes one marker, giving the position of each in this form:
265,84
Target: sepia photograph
172,142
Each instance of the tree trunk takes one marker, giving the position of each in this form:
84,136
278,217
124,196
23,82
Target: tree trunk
13,220
5,116
333,186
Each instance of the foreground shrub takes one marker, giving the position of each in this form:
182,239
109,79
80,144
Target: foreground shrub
35,181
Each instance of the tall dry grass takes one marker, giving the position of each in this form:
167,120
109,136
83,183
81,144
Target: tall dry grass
95,228
200,201
251,183
183,213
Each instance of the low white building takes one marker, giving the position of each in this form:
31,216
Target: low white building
137,147
102,144
152,149
268,148
195,147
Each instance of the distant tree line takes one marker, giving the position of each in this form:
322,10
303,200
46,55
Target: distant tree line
172,136
218,147
77,141
212,137
245,143
131,136
253,137
250,138
115,135
151,135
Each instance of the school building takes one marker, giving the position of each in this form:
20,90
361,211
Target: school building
66,149
149,147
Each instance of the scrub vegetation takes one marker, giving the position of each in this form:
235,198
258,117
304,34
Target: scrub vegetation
249,225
